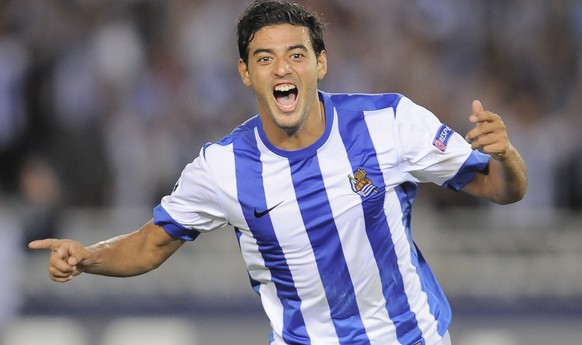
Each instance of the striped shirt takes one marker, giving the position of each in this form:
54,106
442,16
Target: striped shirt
325,230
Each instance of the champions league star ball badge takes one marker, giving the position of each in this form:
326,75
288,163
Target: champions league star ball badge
442,137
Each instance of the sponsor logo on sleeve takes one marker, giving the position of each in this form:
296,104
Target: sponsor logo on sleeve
442,137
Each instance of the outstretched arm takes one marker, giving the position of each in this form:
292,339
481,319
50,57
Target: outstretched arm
122,256
505,180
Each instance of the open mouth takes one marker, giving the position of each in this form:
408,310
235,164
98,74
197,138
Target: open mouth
285,96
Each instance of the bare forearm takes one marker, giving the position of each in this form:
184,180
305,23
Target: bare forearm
121,256
504,182
132,254
510,176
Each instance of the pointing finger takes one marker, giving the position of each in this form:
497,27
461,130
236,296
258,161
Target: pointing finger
48,243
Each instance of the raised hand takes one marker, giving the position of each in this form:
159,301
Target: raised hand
489,134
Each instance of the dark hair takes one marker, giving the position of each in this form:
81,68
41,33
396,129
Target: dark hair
263,13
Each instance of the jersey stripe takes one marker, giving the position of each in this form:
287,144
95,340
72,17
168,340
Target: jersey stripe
356,137
406,194
255,284
324,239
357,250
292,236
405,248
251,192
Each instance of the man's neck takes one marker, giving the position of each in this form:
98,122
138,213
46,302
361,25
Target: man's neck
309,132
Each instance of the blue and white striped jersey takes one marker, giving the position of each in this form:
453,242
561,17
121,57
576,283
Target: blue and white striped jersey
325,230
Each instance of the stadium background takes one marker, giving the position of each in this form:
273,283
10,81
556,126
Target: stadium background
103,102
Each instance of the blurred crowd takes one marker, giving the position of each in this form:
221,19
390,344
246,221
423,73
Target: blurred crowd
103,102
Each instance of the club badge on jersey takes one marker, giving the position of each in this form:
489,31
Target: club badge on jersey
361,184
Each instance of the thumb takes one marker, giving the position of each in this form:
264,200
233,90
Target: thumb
477,107
74,260
78,257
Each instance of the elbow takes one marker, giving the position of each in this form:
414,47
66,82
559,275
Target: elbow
151,264
513,195
520,195
509,200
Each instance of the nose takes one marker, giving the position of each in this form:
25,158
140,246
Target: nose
282,68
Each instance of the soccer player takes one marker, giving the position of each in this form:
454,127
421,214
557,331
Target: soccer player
319,189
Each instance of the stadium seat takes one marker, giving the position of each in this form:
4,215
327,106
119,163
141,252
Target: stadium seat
44,330
150,331
488,337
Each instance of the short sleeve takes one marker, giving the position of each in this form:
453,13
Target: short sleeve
193,206
431,151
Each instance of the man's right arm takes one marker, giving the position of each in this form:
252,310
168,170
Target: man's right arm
122,256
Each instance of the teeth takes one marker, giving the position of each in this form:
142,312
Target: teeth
284,87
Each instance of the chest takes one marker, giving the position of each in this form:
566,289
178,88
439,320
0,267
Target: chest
282,200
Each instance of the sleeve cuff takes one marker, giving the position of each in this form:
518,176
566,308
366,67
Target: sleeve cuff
477,161
173,228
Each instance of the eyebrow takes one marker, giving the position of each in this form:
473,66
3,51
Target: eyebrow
270,51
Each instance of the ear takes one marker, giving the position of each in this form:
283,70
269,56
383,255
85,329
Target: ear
321,65
243,70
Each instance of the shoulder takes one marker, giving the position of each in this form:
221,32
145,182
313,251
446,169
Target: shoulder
396,105
242,133
365,101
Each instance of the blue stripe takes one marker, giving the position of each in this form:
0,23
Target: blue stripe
251,195
406,193
438,304
325,242
362,154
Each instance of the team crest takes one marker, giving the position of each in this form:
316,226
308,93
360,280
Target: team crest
361,184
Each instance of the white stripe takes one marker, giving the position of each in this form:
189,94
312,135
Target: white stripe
293,238
274,310
222,170
380,124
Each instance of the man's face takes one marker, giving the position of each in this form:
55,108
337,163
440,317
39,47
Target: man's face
283,72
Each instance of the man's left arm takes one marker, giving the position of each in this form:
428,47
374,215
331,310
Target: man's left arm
505,180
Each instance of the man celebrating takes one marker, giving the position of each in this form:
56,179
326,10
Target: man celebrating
319,189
